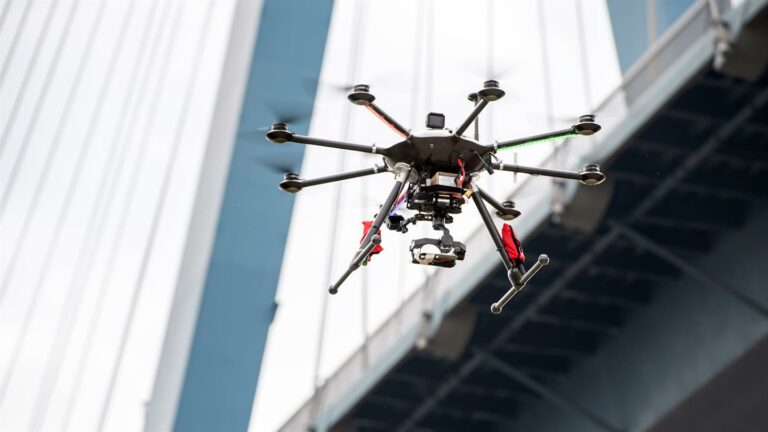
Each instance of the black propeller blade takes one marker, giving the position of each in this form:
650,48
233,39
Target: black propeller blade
390,81
289,112
278,167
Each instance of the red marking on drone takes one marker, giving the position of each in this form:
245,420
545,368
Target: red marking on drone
381,117
367,227
512,245
460,180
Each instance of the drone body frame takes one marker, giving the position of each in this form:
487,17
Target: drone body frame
420,162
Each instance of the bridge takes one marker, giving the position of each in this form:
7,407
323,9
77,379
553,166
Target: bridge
653,314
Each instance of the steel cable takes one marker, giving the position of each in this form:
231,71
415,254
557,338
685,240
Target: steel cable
159,204
69,313
97,218
4,13
17,34
36,199
354,48
25,144
16,105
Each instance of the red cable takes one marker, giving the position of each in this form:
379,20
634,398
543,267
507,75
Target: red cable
386,122
460,182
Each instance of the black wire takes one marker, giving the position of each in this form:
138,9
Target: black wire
487,167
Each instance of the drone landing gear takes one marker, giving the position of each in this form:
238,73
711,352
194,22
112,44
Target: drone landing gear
516,273
519,277
371,239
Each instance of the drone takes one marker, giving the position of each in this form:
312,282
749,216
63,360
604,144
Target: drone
436,172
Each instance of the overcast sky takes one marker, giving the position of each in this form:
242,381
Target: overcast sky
65,309
87,126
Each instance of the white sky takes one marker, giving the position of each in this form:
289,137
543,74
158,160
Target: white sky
73,283
94,257
93,267
469,39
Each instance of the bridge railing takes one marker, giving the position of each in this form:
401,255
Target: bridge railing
420,314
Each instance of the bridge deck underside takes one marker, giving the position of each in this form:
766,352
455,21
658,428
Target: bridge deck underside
560,327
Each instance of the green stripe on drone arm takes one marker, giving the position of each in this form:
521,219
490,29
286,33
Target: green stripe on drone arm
534,140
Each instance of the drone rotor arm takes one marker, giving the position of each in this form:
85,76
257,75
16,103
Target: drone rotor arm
291,182
341,145
586,126
535,139
490,200
472,116
377,169
489,93
570,175
362,96
590,175
388,120
505,210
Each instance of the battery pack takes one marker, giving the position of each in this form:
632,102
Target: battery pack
443,179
